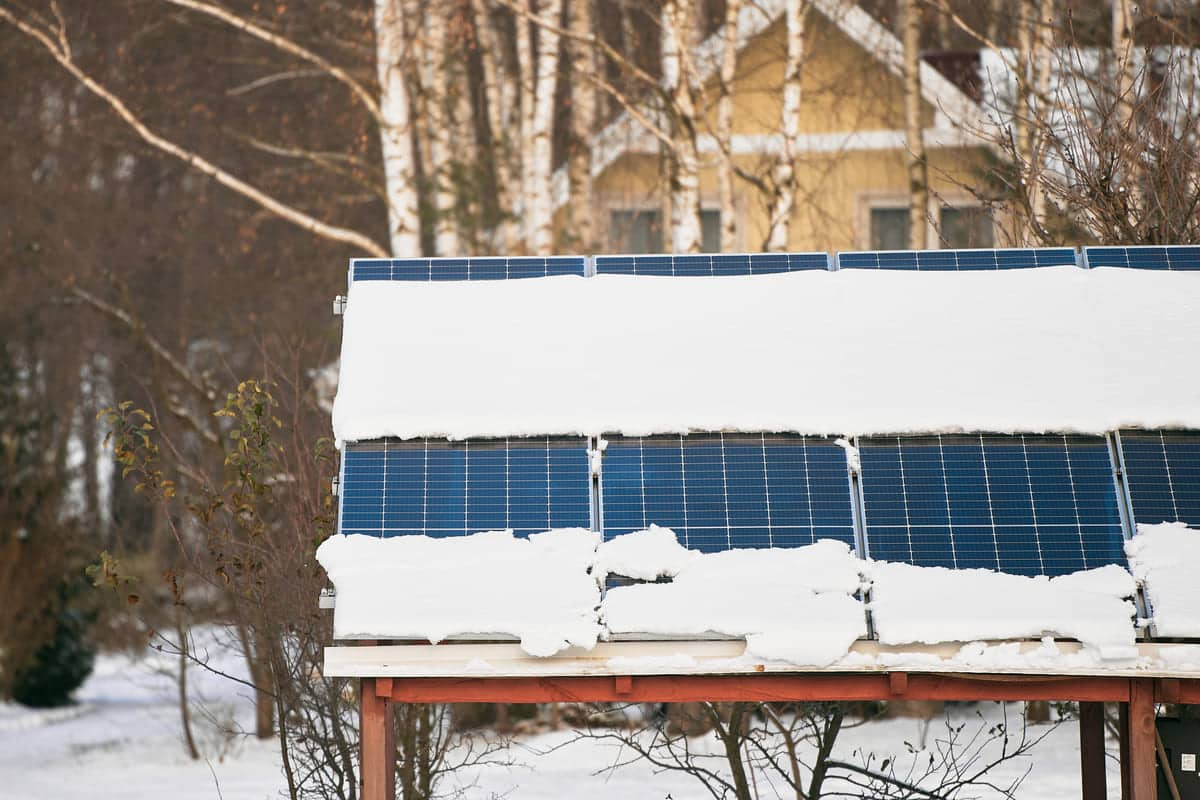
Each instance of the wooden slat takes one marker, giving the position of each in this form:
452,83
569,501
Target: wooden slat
1091,751
771,688
1143,779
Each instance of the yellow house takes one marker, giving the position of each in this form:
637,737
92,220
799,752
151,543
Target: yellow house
852,174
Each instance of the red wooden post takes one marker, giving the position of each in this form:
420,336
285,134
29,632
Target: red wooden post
1091,751
1123,746
377,769
1143,776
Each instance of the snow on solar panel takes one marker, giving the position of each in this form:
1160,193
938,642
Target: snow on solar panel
700,265
1178,257
721,491
1162,473
442,488
463,269
1031,505
957,260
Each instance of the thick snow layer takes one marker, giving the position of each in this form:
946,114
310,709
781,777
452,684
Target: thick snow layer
643,555
1166,558
791,604
1030,350
931,605
415,587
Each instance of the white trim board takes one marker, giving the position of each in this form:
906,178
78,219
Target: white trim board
725,657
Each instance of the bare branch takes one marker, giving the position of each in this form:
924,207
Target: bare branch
197,162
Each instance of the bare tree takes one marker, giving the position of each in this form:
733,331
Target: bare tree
725,166
582,124
914,132
682,84
784,201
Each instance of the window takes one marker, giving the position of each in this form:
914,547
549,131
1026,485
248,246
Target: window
960,227
966,226
641,231
889,229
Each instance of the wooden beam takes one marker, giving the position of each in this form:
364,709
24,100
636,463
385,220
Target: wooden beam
751,688
1091,751
1123,747
377,746
898,682
1143,777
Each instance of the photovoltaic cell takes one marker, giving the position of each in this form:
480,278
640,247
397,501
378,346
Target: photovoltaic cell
957,260
1031,505
441,488
699,265
720,491
463,269
1180,257
1162,473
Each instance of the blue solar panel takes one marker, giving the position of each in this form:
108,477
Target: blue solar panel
957,260
1162,472
1176,257
463,269
720,491
441,488
699,265
1031,505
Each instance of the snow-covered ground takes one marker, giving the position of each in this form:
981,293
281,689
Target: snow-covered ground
123,740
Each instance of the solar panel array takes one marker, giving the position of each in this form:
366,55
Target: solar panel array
701,265
1176,257
719,491
1162,474
440,488
957,260
464,269
1031,505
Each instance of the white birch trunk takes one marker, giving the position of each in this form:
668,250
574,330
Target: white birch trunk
395,131
583,122
438,127
678,33
1122,24
499,110
539,167
725,128
1042,58
784,203
914,134
524,149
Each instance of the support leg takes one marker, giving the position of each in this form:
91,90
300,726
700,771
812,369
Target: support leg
1091,751
1143,776
377,769
1123,743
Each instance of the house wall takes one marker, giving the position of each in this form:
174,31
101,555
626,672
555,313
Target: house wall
845,89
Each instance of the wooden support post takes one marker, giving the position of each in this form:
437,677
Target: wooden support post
1123,746
377,743
1091,751
1143,777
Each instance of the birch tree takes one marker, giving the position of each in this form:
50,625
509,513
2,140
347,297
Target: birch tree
583,122
395,130
438,71
537,104
918,175
725,167
784,201
500,93
682,86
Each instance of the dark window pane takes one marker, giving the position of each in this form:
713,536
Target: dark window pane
889,229
966,227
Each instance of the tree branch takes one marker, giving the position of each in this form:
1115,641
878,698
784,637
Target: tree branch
63,56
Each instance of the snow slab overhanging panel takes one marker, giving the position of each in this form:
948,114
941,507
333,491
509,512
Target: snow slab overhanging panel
1051,349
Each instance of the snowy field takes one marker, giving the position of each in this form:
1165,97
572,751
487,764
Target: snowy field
123,740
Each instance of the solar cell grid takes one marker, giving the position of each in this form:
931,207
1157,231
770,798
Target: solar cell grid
719,491
719,264
1162,473
1175,257
1033,505
957,260
440,488
463,269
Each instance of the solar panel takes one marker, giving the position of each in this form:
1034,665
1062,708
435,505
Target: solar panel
722,264
957,260
441,488
1162,473
720,491
1176,257
463,269
1031,505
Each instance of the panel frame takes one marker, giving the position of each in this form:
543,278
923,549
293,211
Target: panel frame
838,266
598,263
433,261
1086,258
